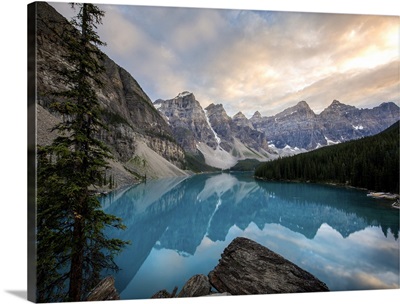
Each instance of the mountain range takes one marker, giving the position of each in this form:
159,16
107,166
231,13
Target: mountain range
163,138
224,140
299,126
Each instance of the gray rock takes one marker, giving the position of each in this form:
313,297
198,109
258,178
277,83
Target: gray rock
237,128
164,294
196,286
187,120
218,294
104,291
191,125
247,267
221,123
341,122
242,121
296,126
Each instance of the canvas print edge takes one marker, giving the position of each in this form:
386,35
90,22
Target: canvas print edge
30,183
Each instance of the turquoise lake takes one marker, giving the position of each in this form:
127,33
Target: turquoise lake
178,227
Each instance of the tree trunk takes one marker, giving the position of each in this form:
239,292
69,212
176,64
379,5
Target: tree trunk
76,272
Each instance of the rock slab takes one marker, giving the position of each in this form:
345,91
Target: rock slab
104,291
196,286
248,268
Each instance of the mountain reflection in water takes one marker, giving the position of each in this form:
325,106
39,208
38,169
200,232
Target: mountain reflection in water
179,227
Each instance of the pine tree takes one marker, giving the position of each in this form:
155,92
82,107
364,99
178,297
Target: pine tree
72,247
370,162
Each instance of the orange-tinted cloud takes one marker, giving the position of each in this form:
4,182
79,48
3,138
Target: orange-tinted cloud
256,60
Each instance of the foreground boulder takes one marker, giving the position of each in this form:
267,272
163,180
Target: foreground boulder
247,268
104,291
165,294
196,286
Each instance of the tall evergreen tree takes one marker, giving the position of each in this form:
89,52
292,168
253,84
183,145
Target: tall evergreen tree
72,247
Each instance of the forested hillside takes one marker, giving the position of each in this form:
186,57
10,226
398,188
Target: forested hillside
371,162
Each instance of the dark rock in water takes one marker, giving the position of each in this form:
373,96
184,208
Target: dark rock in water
164,294
104,291
247,267
196,286
218,294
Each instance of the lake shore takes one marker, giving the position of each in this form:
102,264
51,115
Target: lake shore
371,193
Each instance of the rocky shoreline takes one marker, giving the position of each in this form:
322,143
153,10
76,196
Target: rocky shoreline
377,195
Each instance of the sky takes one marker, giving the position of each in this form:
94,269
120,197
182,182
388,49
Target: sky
253,60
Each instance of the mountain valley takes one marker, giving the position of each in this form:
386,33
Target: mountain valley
177,136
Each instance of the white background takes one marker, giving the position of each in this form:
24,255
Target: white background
13,169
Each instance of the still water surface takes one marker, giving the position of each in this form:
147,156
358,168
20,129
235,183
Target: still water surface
179,227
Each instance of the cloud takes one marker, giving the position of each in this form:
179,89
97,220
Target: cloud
122,35
256,60
270,61
197,32
363,89
150,60
306,63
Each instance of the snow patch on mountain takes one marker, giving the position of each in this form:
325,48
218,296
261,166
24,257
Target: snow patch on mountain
183,94
331,142
217,138
287,147
157,105
283,152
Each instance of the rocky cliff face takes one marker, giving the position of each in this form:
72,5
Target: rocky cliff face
244,130
222,140
342,122
188,121
241,121
126,109
221,124
296,126
300,127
